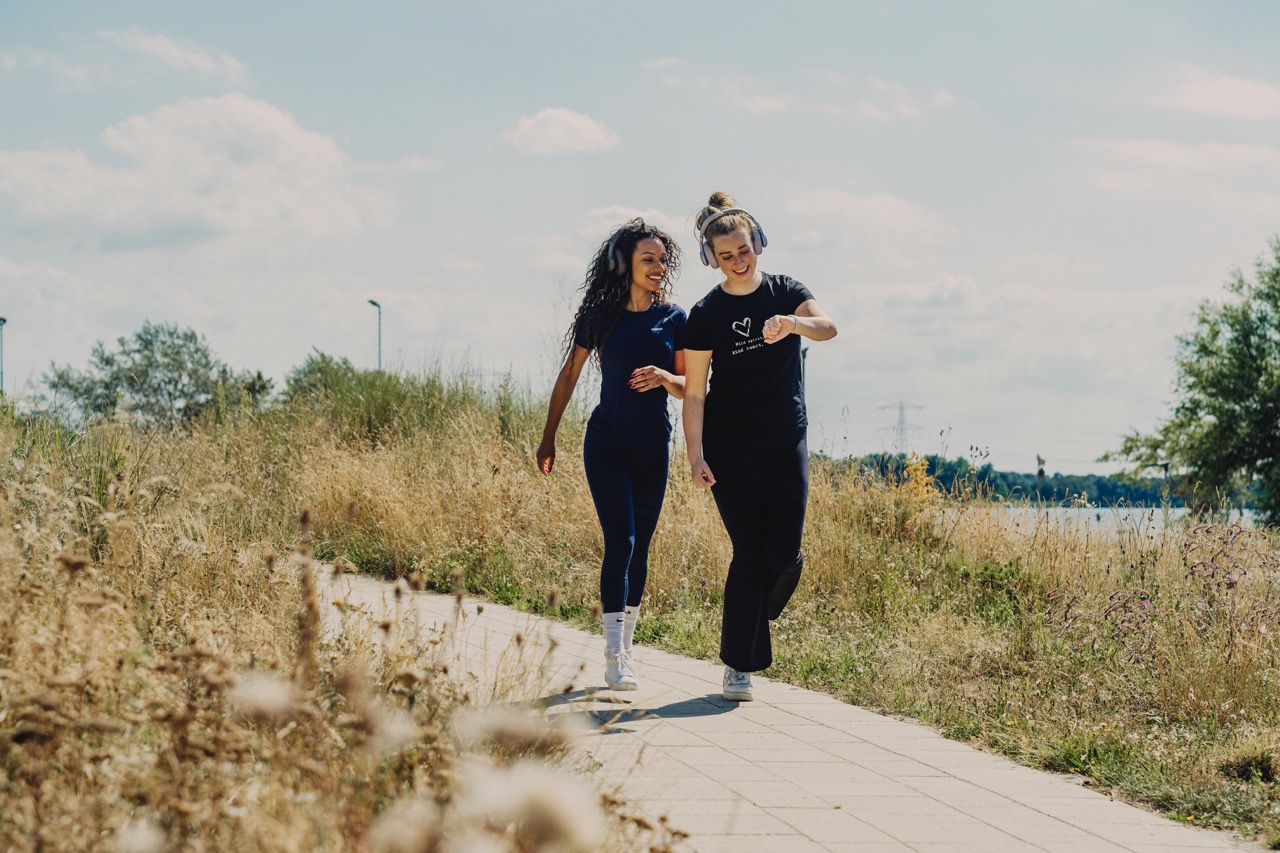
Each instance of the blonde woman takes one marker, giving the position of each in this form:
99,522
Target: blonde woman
745,427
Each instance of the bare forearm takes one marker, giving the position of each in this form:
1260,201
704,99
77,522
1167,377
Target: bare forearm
693,413
814,328
674,384
560,394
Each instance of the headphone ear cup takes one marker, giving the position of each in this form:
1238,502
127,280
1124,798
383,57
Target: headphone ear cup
758,240
708,257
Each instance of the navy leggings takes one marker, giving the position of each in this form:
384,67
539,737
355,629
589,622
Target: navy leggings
627,485
761,490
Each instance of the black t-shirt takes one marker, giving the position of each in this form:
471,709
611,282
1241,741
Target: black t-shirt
626,417
755,388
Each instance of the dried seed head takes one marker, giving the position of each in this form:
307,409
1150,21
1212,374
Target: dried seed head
270,557
410,825
143,837
544,809
304,521
261,696
72,564
393,730
517,732
596,611
553,598
353,683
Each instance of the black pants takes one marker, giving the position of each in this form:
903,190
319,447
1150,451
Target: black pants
627,486
761,490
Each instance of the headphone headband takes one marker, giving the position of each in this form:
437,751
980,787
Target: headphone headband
702,231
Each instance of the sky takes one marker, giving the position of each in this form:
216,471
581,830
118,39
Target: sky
1010,209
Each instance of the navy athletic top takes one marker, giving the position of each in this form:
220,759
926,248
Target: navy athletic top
755,388
626,417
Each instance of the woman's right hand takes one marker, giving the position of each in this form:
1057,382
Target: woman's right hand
702,476
546,456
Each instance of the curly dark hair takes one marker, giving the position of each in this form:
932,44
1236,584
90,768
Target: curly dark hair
605,292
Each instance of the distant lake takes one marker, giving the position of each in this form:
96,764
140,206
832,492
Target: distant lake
1028,519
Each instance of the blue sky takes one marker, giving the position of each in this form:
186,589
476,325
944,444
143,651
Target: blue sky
1010,210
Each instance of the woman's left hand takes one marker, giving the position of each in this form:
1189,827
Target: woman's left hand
649,377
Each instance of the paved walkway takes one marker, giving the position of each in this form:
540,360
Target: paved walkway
793,770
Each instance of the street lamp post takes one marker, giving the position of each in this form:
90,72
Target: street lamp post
2,322
375,304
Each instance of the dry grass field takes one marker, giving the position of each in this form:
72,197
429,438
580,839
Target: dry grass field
161,678
165,683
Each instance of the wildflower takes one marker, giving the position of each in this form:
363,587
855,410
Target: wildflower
261,696
410,825
540,807
143,837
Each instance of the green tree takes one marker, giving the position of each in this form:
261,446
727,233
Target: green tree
163,375
1223,436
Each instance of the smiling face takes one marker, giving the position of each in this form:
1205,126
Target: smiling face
736,257
648,265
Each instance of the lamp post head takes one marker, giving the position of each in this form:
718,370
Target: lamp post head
375,304
2,322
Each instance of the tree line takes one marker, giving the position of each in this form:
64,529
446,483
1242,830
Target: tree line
960,476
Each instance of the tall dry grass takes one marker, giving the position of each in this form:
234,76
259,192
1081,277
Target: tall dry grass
167,682
1142,658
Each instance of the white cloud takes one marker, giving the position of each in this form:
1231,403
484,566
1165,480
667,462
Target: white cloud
556,261
945,291
1242,179
128,57
68,73
185,57
53,315
556,131
878,99
1203,90
662,62
600,221
199,169
740,92
867,98
416,165
843,216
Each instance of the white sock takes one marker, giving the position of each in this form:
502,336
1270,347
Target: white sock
613,625
630,616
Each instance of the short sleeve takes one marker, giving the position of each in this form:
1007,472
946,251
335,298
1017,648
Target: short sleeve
678,322
796,294
580,333
697,329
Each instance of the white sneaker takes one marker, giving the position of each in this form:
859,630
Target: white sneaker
618,674
737,685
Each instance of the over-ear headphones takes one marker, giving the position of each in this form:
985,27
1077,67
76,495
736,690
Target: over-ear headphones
705,252
617,265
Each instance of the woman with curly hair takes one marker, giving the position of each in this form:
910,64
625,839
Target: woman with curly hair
637,336
750,427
